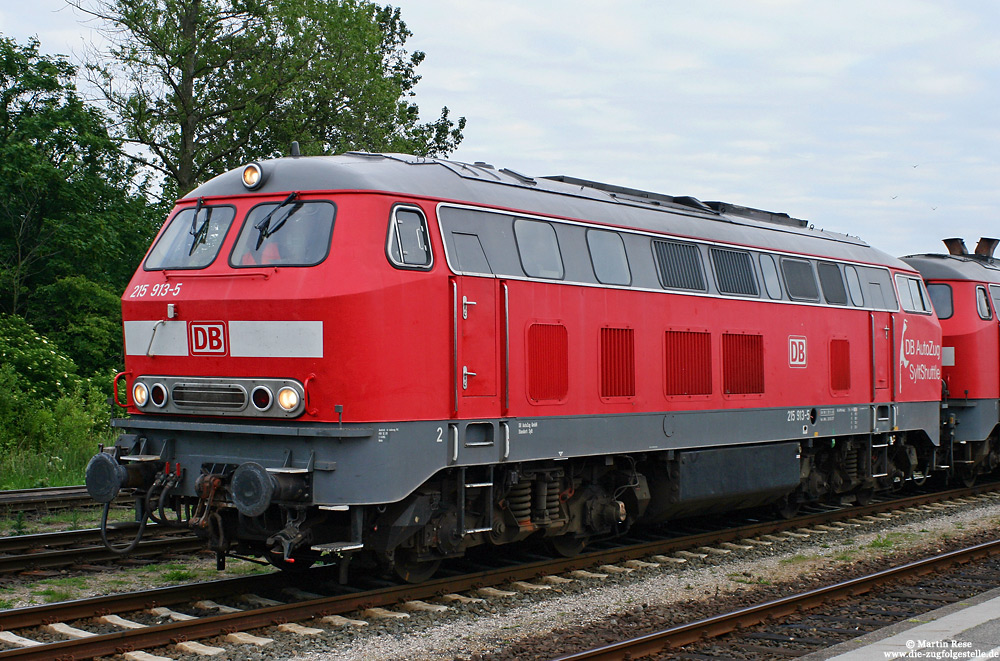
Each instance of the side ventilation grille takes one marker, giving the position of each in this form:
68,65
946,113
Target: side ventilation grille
688,363
617,362
548,362
742,364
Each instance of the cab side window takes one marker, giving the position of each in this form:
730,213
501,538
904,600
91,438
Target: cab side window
407,244
983,303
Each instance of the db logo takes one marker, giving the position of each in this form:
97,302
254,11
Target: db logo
207,338
796,351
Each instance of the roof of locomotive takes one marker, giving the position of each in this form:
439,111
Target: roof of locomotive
560,196
936,266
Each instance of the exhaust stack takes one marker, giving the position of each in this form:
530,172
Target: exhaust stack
986,246
956,246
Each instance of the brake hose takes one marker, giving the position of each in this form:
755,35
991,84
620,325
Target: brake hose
104,532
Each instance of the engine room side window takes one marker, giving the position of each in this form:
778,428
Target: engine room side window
772,283
880,291
469,254
192,240
832,283
854,286
407,244
941,297
800,281
679,265
734,272
607,253
912,297
290,233
539,249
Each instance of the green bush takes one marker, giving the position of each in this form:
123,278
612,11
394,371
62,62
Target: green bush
50,419
41,368
85,320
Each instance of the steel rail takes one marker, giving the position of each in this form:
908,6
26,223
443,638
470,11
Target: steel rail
48,498
50,559
745,617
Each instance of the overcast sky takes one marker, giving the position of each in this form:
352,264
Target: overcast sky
874,118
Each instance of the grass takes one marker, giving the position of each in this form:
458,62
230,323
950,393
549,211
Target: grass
75,519
881,542
177,576
748,579
52,595
797,559
889,540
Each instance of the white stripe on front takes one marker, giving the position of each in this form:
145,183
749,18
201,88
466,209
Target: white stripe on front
156,338
276,339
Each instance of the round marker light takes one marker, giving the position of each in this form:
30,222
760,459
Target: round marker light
288,398
253,176
140,394
261,398
158,395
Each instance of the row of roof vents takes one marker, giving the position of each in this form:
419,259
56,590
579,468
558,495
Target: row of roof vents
660,199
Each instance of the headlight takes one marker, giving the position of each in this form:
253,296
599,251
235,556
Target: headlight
140,394
253,176
158,393
288,398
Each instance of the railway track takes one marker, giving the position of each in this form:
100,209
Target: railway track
58,550
48,499
195,619
782,639
44,499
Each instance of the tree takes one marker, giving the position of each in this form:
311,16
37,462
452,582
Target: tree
69,200
204,85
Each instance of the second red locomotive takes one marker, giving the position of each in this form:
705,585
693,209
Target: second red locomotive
402,357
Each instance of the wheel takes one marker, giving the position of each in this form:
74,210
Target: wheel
567,545
788,507
412,570
968,479
864,496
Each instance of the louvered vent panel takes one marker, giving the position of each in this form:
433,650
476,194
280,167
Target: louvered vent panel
548,362
742,364
840,365
734,272
679,265
688,367
617,362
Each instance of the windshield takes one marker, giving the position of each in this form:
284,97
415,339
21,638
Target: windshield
192,238
289,233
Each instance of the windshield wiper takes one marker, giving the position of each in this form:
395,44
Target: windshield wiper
264,229
197,232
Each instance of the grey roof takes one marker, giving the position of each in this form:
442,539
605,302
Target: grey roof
955,267
565,197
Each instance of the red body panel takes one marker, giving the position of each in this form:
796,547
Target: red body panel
976,345
424,345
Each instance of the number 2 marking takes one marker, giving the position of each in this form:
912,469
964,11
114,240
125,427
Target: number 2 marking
440,438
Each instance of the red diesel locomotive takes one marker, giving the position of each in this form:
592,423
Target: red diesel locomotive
965,289
393,357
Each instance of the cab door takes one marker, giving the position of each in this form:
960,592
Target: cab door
881,345
881,335
477,339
